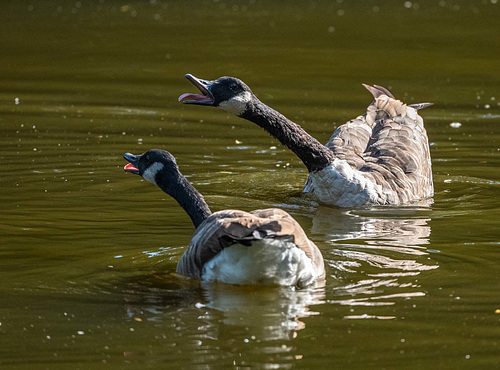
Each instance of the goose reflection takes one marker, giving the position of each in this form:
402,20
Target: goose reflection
375,254
219,311
266,313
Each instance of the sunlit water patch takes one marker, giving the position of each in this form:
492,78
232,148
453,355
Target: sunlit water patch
375,255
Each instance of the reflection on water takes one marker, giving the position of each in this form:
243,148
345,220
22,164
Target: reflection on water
216,321
387,247
271,314
268,313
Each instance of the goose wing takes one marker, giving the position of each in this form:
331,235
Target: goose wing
224,228
350,141
388,143
397,156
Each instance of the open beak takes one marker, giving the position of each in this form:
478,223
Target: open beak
205,98
132,167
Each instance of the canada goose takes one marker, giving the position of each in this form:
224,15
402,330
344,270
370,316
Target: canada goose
265,246
380,157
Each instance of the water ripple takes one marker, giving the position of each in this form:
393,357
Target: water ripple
376,254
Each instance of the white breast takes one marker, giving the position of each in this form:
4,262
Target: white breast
267,261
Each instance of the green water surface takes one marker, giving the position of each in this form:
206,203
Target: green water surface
88,252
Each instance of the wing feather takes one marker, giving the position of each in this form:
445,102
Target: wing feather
389,145
224,228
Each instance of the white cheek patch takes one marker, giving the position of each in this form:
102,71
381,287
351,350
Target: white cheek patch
237,104
151,171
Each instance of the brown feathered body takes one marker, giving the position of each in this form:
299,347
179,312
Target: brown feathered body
387,147
225,229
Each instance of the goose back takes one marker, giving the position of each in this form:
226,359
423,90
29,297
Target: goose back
389,146
225,228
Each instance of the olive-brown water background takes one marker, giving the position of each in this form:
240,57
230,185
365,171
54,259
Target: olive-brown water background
87,252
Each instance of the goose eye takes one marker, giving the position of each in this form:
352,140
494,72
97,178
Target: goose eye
233,86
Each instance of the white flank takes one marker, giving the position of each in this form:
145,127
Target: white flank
237,104
411,113
151,171
340,185
267,261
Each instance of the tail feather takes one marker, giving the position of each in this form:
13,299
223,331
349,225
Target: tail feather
385,91
377,91
420,105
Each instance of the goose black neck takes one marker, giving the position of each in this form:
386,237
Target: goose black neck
187,196
313,154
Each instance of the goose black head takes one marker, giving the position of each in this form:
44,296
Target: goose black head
228,93
152,163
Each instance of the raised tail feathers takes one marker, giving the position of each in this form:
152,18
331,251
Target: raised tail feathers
420,105
377,91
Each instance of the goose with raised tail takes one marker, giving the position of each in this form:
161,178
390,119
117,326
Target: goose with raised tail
265,246
381,157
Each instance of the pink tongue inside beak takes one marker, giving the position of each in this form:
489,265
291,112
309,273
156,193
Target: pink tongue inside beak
197,97
130,166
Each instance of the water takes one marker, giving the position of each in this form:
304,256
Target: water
88,252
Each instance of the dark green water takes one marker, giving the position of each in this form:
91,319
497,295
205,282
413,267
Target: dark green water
87,252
